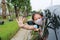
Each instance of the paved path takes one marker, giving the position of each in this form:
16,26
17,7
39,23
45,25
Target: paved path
22,34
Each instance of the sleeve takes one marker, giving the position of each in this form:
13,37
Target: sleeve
30,23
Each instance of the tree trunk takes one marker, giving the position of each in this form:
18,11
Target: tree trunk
9,13
3,9
25,13
16,11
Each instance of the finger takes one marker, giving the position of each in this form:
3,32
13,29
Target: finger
16,20
24,18
20,18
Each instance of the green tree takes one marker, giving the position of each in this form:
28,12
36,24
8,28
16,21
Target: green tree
21,5
27,9
10,7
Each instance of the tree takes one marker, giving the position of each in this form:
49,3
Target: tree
21,5
27,7
17,5
3,9
10,7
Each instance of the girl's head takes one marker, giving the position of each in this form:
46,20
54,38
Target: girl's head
36,17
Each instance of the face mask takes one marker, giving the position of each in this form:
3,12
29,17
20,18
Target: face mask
39,21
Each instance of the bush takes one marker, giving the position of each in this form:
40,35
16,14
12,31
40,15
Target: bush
10,19
8,30
1,22
0,17
35,36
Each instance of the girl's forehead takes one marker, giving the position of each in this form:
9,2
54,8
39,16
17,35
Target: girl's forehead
37,16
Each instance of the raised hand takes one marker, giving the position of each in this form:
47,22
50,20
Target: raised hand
20,21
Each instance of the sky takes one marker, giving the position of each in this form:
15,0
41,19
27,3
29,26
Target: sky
41,4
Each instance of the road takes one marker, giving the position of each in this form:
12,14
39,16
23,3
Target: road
52,34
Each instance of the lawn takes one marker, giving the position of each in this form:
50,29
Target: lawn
8,30
29,17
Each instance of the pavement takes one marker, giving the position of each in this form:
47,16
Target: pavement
22,34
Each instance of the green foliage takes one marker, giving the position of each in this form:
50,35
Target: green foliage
35,36
21,4
9,5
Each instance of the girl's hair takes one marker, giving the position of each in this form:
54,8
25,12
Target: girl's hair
41,14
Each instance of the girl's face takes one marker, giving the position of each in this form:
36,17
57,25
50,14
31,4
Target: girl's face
38,19
37,16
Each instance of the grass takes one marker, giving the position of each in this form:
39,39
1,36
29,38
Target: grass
8,30
28,17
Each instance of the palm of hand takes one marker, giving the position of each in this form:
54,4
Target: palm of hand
20,21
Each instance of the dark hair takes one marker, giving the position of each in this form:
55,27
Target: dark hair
37,13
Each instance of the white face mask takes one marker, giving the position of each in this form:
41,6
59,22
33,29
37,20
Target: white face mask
39,21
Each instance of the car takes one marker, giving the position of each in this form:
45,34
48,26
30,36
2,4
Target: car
54,34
